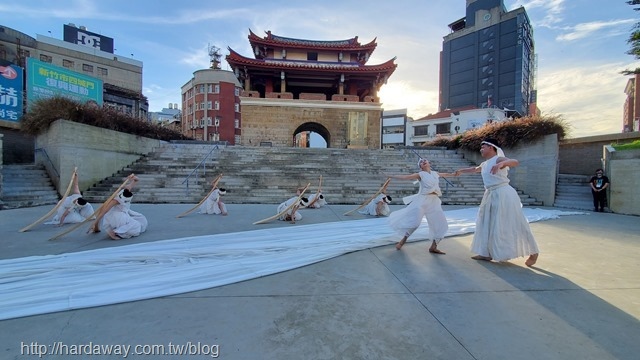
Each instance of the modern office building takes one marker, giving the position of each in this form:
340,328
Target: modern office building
488,60
83,63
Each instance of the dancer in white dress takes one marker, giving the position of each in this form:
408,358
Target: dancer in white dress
214,204
117,219
292,214
74,209
379,206
502,231
426,203
316,204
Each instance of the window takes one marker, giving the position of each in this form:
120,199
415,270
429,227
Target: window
103,71
237,107
209,105
201,88
87,68
421,130
312,56
217,105
67,63
45,58
443,128
237,92
209,121
237,124
209,88
216,88
202,106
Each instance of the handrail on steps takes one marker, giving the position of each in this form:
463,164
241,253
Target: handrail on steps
203,164
53,167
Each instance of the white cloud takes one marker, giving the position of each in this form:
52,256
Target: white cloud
589,29
552,9
590,97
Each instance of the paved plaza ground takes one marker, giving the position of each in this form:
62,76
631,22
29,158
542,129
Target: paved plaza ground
580,301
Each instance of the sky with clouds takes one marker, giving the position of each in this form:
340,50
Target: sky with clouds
581,45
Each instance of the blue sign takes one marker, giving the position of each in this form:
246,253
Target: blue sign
10,93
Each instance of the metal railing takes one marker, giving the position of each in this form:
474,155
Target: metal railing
195,172
46,156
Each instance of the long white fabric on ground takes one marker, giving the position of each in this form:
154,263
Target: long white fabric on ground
43,284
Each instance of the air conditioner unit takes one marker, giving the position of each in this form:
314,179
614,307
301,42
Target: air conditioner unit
217,122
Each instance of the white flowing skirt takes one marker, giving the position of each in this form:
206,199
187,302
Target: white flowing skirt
408,219
212,207
124,224
502,231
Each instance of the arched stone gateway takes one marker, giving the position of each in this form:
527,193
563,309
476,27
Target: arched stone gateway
302,134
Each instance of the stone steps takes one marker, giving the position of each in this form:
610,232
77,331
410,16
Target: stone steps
271,175
26,185
573,192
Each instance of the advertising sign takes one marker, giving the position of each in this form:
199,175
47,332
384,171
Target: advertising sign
87,38
10,93
45,80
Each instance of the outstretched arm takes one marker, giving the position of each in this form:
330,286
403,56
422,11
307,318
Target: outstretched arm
414,176
468,170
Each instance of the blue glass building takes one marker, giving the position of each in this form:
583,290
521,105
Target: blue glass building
488,59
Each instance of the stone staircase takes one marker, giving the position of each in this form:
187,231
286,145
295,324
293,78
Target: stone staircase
573,192
26,185
267,175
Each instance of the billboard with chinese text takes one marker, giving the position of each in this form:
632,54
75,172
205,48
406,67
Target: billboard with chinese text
45,80
11,93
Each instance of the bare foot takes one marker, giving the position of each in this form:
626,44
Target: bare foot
480,257
225,214
400,243
531,260
434,249
113,235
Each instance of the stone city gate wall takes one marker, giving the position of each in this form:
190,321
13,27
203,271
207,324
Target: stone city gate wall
274,121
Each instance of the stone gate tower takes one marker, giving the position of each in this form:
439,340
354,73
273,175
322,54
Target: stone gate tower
294,86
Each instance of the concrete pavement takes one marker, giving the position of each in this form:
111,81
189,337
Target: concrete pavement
582,300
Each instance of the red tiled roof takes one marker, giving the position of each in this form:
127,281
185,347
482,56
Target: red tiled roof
234,59
281,41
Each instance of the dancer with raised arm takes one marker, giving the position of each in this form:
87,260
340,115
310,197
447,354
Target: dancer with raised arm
425,204
502,230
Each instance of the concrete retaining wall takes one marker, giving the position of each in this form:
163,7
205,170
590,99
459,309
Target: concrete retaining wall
623,170
98,153
582,156
537,174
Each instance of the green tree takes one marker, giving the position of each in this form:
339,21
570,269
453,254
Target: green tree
634,40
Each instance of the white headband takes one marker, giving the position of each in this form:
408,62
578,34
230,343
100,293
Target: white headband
498,150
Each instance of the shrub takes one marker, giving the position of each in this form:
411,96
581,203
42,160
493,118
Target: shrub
525,130
43,112
634,145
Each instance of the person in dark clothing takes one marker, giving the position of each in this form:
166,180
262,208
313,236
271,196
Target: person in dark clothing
599,184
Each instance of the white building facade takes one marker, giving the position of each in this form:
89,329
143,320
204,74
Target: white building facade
393,125
450,123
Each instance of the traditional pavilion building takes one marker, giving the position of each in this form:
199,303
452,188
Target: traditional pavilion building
295,86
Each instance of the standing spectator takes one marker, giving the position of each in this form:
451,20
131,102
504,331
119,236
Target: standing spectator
599,184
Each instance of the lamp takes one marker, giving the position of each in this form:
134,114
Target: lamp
282,75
